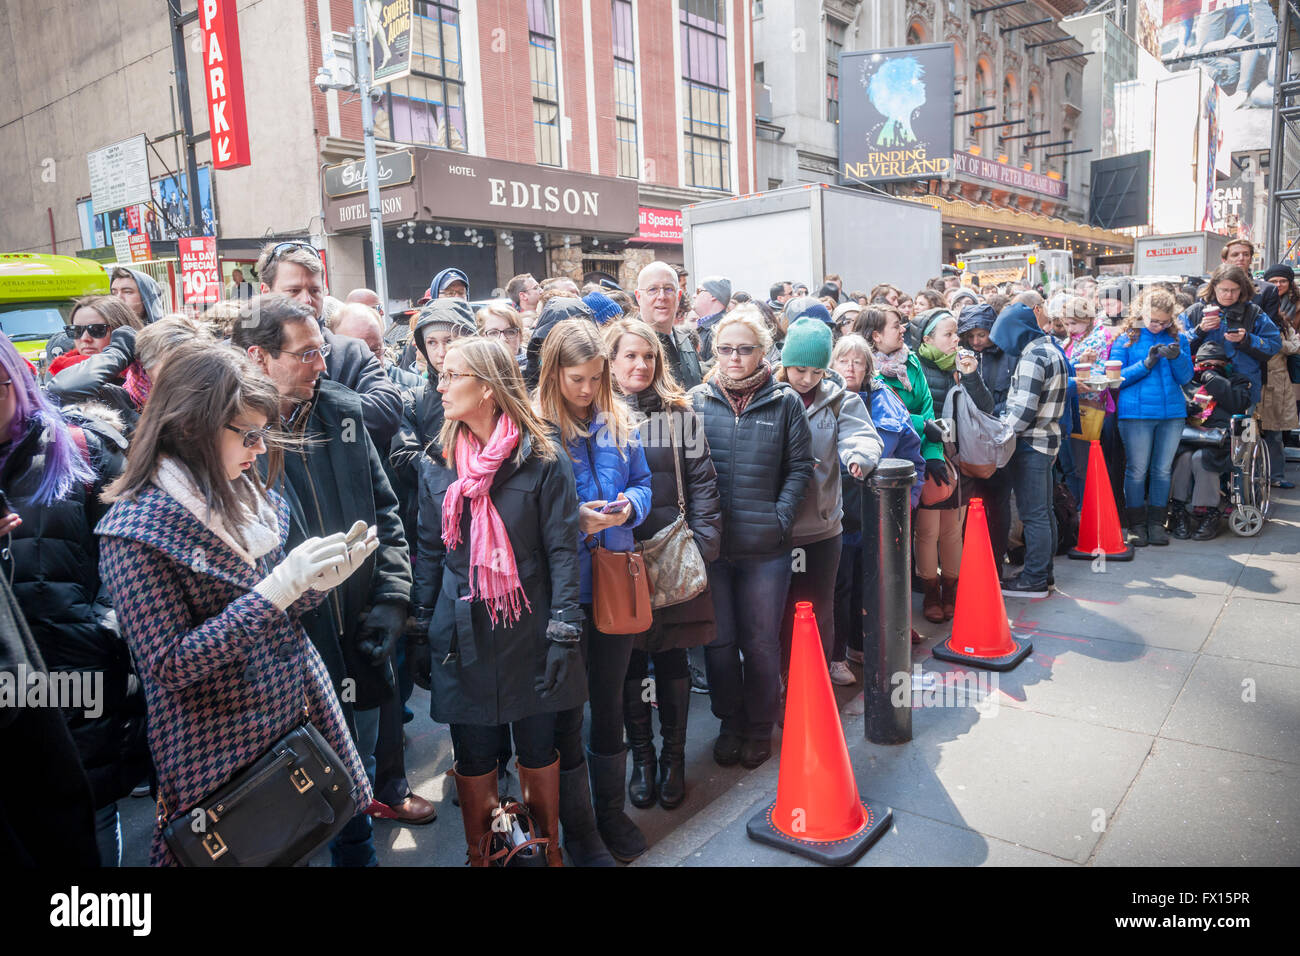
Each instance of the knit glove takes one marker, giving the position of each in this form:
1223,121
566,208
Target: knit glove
292,577
1170,351
563,657
382,625
337,573
938,470
1153,356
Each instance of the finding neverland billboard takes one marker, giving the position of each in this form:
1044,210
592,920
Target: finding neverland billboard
896,111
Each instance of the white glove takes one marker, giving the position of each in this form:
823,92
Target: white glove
365,544
290,579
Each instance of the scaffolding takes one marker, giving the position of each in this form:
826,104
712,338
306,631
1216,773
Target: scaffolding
1282,241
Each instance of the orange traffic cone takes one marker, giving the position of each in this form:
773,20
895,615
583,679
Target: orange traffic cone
817,812
981,634
1099,531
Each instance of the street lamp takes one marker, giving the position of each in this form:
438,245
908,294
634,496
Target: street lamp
334,75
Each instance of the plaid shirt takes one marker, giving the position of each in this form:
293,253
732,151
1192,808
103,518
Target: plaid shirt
1039,390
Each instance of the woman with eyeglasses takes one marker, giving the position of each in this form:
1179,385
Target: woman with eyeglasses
1151,407
496,596
762,450
193,553
52,467
497,320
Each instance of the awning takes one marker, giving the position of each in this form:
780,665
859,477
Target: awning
960,212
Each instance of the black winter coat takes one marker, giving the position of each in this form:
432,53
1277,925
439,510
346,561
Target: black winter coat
333,481
484,675
691,623
97,378
52,559
422,418
1231,392
352,365
764,463
683,358
941,384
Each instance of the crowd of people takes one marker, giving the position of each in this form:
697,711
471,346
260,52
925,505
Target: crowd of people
280,510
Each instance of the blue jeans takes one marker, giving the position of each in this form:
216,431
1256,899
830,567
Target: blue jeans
1031,477
108,835
748,602
1150,445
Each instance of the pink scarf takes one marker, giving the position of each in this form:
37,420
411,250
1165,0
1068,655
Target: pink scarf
137,384
496,583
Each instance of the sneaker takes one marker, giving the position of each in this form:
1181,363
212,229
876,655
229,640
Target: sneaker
840,674
1282,483
699,683
1019,587
854,656
857,706
142,790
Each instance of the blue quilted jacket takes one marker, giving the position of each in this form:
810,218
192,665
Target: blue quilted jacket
1155,393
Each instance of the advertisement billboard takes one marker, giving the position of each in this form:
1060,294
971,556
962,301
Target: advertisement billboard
200,278
389,26
896,111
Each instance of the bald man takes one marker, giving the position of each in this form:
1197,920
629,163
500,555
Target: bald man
657,291
367,297
363,322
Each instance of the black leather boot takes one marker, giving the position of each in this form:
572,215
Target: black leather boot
608,779
578,818
1180,525
1136,520
640,739
674,705
1208,529
1156,534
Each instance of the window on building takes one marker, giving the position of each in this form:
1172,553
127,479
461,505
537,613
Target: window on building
835,30
1008,147
546,84
428,107
625,90
760,72
705,91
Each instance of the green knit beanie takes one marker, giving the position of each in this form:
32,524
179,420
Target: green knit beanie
807,345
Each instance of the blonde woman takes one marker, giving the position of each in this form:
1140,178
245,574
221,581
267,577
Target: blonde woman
762,451
499,320
575,395
496,587
674,442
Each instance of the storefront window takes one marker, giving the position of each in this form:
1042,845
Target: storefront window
428,107
706,92
545,81
625,89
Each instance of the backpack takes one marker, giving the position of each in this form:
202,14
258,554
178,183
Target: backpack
982,442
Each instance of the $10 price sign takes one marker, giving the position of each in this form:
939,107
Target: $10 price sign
199,275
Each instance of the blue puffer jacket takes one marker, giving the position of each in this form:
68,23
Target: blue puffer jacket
601,472
1157,392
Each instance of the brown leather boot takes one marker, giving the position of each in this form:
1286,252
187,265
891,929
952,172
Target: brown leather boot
478,798
541,792
948,587
932,602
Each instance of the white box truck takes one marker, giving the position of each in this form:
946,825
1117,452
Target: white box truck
1030,262
804,233
1180,253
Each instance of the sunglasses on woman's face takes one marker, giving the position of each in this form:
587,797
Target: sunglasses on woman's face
252,436
96,331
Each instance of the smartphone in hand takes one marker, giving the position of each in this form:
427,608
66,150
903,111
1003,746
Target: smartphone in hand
616,506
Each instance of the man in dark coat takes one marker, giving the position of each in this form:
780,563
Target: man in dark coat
334,477
657,293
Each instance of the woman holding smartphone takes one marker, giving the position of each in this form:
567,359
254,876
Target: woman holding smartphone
575,395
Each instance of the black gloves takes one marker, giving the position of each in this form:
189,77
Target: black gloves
419,655
563,657
932,430
382,625
1153,356
938,470
1171,351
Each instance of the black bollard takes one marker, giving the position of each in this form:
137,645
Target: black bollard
887,601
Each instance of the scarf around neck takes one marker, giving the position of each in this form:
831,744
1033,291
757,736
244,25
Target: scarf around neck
738,392
137,384
894,365
493,574
251,536
942,360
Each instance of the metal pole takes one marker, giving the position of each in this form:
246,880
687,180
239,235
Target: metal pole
178,21
362,39
1281,71
887,581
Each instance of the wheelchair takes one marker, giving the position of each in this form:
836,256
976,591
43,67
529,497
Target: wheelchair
1248,481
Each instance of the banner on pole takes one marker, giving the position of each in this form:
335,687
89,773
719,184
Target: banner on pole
223,82
200,278
388,25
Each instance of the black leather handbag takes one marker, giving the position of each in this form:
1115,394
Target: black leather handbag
277,811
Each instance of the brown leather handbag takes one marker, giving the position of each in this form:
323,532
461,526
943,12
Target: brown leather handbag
620,592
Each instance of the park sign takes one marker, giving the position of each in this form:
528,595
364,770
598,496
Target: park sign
896,111
223,82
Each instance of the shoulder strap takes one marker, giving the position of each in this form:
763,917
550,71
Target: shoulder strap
677,465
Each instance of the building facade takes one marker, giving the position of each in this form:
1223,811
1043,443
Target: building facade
551,136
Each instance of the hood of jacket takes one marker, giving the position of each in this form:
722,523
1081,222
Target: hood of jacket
444,278
453,313
150,294
976,317
1015,328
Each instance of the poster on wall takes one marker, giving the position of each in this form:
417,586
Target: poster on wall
1210,120
166,218
1150,17
896,111
1235,41
389,23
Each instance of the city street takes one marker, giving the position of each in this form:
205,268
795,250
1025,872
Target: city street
1123,740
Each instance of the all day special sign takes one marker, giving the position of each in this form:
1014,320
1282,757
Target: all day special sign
200,280
223,75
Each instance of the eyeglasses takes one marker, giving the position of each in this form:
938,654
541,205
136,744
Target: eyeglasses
252,436
309,356
744,351
502,333
658,291
451,378
848,319
96,331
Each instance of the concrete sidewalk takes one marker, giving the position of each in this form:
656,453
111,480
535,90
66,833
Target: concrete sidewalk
1155,723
